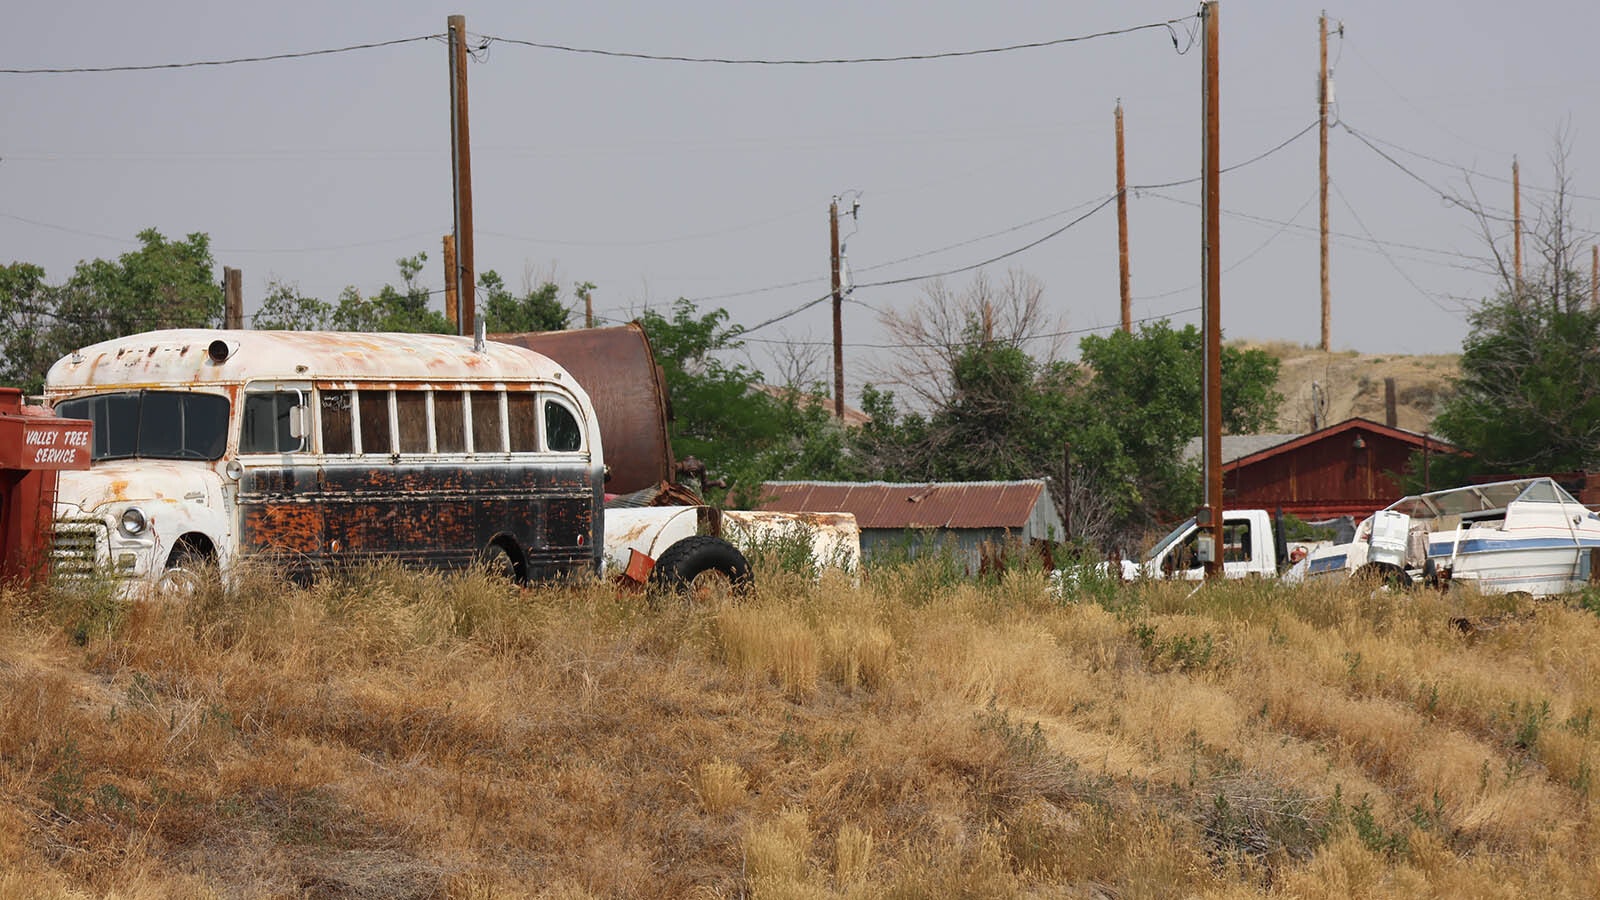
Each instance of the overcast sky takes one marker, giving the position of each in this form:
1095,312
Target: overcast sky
657,180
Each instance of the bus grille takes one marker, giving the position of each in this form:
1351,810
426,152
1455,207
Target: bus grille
78,547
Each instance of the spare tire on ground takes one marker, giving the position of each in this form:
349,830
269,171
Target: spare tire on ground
702,566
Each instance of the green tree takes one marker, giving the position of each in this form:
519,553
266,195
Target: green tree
1126,411
284,308
27,323
1527,399
1006,417
162,284
539,309
1528,395
1143,402
402,309
721,415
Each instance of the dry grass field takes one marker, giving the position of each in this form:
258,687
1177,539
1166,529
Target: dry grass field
387,733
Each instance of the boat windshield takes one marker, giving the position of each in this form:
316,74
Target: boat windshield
1545,491
1170,539
1481,498
153,424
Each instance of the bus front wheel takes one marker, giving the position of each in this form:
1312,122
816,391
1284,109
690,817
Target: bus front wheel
185,572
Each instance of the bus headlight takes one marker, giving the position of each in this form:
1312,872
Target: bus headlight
132,522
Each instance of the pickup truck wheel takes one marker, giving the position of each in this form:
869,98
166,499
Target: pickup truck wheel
1430,575
702,568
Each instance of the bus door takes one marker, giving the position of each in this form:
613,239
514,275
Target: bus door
280,480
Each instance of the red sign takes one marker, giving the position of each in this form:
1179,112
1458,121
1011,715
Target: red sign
38,443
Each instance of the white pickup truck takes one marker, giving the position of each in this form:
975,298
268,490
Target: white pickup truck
1253,546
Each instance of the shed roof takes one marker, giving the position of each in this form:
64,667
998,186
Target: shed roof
878,504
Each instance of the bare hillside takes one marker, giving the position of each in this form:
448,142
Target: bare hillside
1353,385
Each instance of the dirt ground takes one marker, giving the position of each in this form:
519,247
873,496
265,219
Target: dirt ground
1346,384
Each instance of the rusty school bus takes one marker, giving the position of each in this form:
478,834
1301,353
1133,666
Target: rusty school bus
323,448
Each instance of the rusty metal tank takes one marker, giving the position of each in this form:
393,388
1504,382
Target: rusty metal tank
618,370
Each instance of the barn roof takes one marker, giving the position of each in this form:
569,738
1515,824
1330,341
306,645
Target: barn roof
878,504
1244,449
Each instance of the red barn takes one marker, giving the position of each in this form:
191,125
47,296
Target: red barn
1346,469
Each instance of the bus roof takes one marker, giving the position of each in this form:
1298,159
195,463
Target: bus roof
190,357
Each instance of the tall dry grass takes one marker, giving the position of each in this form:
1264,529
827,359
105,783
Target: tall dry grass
898,732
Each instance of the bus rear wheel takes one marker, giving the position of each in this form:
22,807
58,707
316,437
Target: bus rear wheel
499,561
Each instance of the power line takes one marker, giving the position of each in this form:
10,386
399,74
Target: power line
1474,208
1343,235
1284,226
993,259
977,265
1235,167
243,250
981,237
1470,171
651,242
1102,204
219,62
1353,214
829,61
927,345
1254,159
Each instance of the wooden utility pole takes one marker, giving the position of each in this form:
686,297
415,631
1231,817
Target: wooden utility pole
838,312
452,308
464,275
1322,180
1516,232
1594,276
232,298
1122,230
1210,514
588,305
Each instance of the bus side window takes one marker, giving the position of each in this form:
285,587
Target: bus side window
411,414
374,409
522,415
561,431
449,425
337,437
265,424
486,434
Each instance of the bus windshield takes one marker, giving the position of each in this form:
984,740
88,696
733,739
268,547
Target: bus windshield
153,424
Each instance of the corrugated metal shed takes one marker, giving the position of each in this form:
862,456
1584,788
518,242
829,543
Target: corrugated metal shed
878,504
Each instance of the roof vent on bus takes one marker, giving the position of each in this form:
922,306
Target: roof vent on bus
218,351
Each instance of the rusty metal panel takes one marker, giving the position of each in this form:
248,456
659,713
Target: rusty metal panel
878,505
34,447
617,369
439,515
